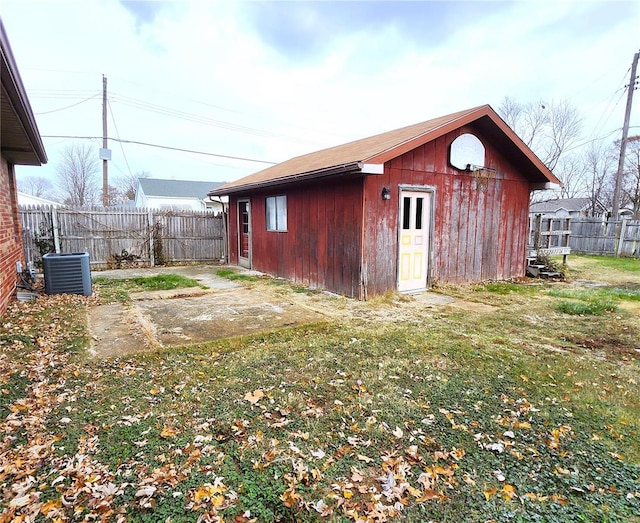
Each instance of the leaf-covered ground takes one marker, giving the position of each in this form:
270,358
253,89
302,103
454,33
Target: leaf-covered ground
516,412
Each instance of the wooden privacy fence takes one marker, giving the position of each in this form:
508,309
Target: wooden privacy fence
124,237
612,238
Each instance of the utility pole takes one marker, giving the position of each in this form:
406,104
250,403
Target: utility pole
623,144
105,168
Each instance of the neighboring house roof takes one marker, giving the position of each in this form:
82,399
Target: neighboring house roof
30,199
360,154
176,188
20,140
568,204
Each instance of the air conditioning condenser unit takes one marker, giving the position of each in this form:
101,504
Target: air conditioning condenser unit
67,273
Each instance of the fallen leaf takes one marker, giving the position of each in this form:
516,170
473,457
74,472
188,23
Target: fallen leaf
169,432
499,475
50,506
489,493
497,447
254,397
322,508
427,495
146,491
20,501
508,492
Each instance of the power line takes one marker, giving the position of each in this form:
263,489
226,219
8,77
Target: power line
61,93
610,108
161,147
191,117
593,140
181,95
176,113
68,106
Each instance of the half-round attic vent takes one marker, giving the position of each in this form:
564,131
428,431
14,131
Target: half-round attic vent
466,151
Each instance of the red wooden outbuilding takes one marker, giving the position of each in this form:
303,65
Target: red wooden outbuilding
445,200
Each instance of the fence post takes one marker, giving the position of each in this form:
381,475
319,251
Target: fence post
536,233
150,228
623,230
56,231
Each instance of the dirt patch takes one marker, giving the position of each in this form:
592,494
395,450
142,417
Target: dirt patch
222,315
472,306
171,318
115,331
608,345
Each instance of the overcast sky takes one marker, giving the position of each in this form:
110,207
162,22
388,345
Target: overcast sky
272,80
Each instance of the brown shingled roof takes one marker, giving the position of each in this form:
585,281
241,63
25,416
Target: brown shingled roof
381,148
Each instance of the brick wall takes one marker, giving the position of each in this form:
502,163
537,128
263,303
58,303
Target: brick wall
10,236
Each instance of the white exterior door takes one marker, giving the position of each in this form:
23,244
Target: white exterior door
413,248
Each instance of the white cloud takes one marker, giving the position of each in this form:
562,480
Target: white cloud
356,77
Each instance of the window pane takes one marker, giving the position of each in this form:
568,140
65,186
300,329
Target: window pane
281,213
276,213
271,213
244,209
419,213
406,212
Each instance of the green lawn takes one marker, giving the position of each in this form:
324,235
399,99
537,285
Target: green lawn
515,413
118,289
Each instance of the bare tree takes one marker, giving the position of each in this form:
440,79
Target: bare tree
600,164
128,184
571,169
78,178
631,180
547,128
116,197
37,186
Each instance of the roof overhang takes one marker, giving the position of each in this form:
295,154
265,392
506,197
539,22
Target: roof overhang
20,141
347,168
545,186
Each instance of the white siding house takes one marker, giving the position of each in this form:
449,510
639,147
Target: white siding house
28,199
568,208
156,193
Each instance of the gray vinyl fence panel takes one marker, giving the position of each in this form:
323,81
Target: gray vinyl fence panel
151,236
611,238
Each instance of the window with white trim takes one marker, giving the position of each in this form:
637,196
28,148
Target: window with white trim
276,213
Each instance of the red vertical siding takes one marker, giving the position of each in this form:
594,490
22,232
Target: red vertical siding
321,247
478,233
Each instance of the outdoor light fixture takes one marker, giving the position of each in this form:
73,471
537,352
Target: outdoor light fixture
386,193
